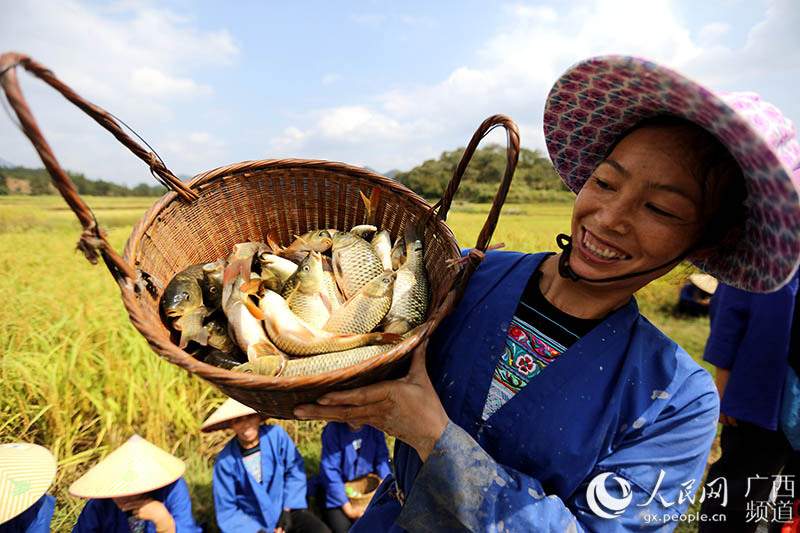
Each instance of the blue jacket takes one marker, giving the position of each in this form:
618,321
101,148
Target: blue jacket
750,336
244,505
35,519
103,515
623,401
347,455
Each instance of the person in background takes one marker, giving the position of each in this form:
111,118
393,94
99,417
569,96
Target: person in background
26,472
749,345
348,452
259,479
695,295
137,488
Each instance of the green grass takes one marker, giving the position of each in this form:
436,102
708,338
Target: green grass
76,377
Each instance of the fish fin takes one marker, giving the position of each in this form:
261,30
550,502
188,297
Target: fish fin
262,349
251,287
272,242
386,338
237,267
397,326
191,328
367,206
253,308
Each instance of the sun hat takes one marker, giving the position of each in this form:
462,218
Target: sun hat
221,418
26,472
136,467
704,282
598,99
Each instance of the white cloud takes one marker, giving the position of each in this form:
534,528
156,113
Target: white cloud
131,57
514,70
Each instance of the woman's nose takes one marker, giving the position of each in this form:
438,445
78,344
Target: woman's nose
616,215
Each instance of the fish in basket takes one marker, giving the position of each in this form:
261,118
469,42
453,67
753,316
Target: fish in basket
265,217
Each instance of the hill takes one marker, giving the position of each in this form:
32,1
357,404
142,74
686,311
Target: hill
534,174
36,181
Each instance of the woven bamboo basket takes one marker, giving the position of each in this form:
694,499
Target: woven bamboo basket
201,221
366,487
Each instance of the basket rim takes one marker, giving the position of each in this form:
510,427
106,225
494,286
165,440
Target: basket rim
163,345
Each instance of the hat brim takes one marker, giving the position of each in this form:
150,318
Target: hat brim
229,411
597,100
136,467
26,472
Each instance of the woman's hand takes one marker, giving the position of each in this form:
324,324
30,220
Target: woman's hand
148,509
721,376
351,512
407,408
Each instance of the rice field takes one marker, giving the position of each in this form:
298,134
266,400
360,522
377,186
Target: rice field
76,377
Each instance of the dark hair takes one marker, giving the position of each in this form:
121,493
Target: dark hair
720,177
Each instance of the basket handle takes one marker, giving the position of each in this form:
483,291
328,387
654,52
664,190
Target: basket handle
92,240
442,207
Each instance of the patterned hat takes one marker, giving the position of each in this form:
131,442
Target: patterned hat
598,99
26,472
136,467
221,418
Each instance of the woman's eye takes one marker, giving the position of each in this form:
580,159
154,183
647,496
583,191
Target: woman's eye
659,211
602,184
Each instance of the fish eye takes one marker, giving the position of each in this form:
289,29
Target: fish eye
185,295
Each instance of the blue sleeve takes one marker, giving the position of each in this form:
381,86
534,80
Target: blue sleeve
330,469
230,518
381,464
179,504
729,316
460,487
34,520
88,520
294,493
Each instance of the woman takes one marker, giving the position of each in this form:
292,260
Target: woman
348,452
26,472
259,478
138,488
546,381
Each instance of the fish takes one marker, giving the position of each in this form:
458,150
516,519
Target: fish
398,253
318,240
411,290
182,301
279,266
307,297
294,336
274,366
354,263
335,299
362,230
225,360
382,246
244,329
217,329
212,284
366,309
241,260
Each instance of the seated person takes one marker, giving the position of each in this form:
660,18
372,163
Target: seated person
27,471
695,295
138,488
259,478
348,452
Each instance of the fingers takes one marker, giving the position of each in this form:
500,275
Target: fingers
372,414
363,395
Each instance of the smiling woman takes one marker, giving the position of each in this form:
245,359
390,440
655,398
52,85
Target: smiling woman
546,381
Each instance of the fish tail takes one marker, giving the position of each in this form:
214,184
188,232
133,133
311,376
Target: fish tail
272,242
237,267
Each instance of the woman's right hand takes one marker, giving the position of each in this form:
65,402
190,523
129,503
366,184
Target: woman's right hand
351,512
721,381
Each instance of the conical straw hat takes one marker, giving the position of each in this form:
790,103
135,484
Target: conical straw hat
26,472
221,418
136,467
704,282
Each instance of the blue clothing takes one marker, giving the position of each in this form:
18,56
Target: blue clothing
103,515
244,505
624,399
750,336
34,519
348,455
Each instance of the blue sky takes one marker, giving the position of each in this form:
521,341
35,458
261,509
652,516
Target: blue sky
382,84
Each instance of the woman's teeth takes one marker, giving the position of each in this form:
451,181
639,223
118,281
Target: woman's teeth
599,250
